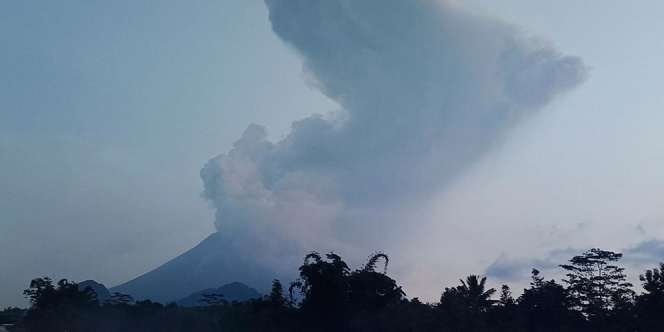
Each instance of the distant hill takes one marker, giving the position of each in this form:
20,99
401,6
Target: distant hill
235,291
211,263
102,292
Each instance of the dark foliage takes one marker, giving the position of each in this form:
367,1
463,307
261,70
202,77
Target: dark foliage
11,315
596,285
650,304
329,296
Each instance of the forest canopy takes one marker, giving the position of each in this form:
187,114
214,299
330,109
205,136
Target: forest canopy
330,296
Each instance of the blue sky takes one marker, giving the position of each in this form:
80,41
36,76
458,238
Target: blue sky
108,111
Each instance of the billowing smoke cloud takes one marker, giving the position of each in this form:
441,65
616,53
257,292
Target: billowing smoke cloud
425,89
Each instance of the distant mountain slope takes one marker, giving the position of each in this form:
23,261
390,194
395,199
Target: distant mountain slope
211,263
102,292
235,291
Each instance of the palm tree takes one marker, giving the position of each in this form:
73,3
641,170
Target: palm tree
373,260
471,295
464,307
371,290
473,289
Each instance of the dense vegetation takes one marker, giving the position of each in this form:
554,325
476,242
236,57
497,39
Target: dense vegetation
329,296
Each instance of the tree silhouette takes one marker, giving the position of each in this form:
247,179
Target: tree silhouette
546,306
504,314
471,293
277,294
370,266
506,298
653,281
370,290
11,315
324,286
464,307
57,307
332,297
596,284
650,304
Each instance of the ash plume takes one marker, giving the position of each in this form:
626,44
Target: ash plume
424,88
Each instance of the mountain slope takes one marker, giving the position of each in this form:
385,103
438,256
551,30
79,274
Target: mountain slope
211,263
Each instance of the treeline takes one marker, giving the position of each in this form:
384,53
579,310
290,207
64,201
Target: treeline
329,296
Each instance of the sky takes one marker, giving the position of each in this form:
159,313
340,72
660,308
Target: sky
109,111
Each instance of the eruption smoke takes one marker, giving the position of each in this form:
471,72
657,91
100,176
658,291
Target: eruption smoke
425,89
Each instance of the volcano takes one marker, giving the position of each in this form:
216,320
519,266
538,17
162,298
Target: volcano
211,263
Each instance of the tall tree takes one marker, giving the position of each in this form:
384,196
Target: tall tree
506,298
596,284
277,294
